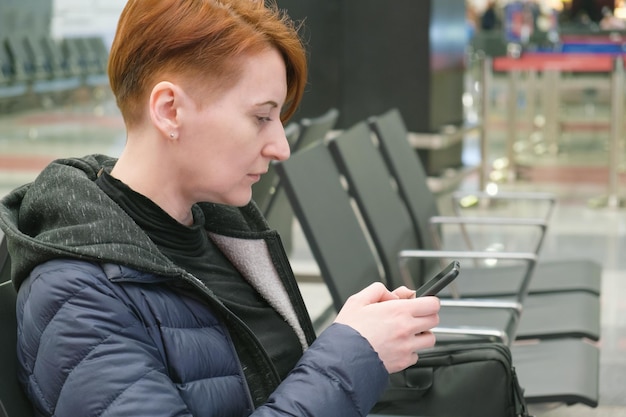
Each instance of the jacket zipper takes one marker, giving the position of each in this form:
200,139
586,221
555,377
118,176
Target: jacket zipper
271,373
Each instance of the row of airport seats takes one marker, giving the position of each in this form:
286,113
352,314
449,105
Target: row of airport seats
32,65
362,200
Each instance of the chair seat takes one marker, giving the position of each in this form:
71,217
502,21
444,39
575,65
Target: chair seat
544,316
571,314
565,371
549,276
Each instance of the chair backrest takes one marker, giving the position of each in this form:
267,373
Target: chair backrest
12,397
98,52
6,69
384,213
328,220
300,135
277,209
22,63
52,51
409,175
74,56
313,129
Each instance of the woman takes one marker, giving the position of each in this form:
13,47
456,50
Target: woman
151,285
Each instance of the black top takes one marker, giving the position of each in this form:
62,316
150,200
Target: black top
190,248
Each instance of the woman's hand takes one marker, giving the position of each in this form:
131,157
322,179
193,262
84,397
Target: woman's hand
396,324
404,292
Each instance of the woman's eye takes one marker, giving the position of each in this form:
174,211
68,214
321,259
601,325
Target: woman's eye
264,119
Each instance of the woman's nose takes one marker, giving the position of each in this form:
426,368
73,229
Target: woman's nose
278,149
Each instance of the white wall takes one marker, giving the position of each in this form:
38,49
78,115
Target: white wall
86,17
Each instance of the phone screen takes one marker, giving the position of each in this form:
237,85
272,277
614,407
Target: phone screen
439,282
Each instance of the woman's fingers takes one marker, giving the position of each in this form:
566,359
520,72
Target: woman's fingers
396,328
404,292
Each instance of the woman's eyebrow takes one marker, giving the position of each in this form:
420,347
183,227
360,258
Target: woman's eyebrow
269,102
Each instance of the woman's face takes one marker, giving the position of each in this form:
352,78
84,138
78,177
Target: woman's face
232,138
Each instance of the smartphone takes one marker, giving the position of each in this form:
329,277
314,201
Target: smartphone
437,283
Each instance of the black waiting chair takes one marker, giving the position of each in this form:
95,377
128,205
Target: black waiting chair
310,129
24,68
95,55
572,313
410,178
13,81
350,252
13,401
559,370
80,57
316,128
275,205
278,210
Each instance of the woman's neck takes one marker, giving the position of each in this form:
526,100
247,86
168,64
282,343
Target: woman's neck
147,174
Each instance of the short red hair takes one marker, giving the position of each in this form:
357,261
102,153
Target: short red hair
201,41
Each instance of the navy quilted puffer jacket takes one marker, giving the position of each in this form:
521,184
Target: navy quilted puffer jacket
107,326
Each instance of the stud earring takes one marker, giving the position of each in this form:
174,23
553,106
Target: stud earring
172,135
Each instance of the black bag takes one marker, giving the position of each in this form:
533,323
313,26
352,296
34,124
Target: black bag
460,380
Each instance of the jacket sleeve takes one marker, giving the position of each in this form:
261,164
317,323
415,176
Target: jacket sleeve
340,375
83,352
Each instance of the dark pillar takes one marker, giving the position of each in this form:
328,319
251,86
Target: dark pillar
367,56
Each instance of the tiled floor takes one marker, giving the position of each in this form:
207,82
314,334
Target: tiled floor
29,140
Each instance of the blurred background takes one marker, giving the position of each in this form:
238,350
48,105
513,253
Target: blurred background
496,95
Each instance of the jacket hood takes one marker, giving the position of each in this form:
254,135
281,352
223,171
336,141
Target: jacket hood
63,213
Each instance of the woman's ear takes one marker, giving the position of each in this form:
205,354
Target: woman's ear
164,112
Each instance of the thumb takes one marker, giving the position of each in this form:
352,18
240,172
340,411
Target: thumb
373,293
404,292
